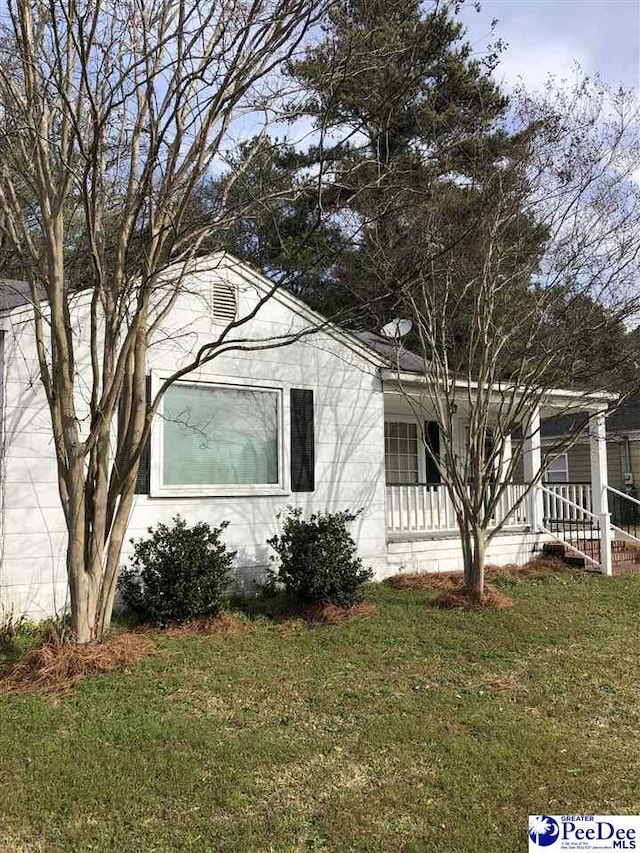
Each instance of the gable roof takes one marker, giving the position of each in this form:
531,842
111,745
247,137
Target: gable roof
16,294
13,294
298,306
408,361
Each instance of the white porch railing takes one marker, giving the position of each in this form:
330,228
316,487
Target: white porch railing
428,508
563,501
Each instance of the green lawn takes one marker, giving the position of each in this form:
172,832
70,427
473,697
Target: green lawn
392,734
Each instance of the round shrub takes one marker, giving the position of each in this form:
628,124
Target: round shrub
178,573
317,559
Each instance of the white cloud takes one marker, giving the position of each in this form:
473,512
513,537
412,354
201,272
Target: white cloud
547,36
534,62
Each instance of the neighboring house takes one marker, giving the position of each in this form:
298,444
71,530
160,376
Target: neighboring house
319,423
623,447
569,471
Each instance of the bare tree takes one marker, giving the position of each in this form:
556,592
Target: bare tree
112,113
540,283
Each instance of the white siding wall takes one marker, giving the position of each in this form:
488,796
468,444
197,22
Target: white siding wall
445,554
348,429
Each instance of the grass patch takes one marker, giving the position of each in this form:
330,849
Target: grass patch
415,729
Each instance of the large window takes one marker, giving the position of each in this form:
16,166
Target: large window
401,442
217,436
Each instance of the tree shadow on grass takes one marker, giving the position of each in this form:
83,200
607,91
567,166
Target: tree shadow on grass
280,607
266,603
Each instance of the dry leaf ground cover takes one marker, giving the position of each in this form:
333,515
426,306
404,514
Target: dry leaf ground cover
417,729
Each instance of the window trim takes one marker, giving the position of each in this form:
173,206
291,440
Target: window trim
160,490
408,419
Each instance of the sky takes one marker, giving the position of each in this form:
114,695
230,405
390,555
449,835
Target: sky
550,35
542,37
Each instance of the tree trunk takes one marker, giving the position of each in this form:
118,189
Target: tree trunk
83,588
113,556
85,513
467,550
81,582
474,577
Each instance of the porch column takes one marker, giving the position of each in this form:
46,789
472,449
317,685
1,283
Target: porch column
599,482
532,458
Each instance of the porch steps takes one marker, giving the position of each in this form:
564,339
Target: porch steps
624,556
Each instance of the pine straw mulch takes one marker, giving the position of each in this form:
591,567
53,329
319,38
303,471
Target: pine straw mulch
429,581
451,588
437,581
332,614
57,664
306,617
458,599
208,626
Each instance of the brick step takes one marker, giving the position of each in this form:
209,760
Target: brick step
625,557
621,545
626,568
621,552
561,552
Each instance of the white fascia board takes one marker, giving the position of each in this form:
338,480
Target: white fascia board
554,396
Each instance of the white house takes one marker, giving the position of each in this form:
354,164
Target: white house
318,423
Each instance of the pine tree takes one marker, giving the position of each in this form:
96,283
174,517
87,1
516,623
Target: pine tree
405,118
419,124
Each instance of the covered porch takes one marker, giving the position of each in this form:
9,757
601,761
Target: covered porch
419,507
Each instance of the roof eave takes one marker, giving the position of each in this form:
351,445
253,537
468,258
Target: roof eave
559,396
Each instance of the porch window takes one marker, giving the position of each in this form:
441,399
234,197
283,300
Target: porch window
558,470
219,436
401,443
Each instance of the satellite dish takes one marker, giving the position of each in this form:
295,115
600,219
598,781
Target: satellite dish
396,329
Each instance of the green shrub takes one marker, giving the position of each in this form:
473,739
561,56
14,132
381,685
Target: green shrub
178,573
317,559
11,624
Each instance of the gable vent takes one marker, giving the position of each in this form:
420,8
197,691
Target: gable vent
224,302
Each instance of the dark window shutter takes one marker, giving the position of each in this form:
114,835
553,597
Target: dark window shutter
432,439
302,440
143,482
